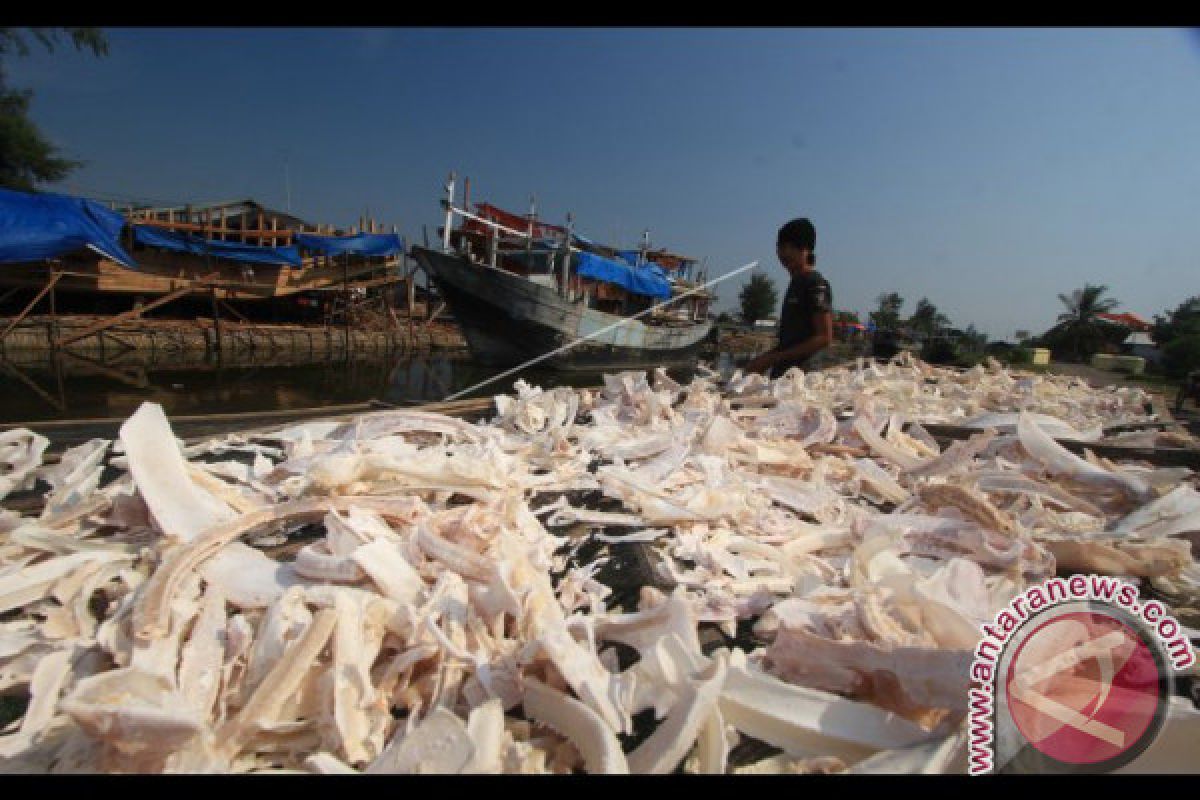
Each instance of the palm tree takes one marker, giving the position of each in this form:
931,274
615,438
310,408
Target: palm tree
1080,323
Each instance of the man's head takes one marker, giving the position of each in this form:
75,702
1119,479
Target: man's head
795,245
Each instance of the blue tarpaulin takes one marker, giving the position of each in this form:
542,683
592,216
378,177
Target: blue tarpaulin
364,244
235,251
630,256
35,227
648,280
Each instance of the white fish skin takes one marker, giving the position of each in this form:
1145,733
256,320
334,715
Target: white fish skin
1178,511
671,741
180,508
75,478
21,449
802,721
1060,461
589,733
883,447
439,745
957,455
385,564
1056,428
33,583
247,577
942,757
201,660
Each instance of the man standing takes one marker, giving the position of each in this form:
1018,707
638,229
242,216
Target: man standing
806,322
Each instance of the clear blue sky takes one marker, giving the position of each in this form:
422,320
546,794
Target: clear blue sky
986,169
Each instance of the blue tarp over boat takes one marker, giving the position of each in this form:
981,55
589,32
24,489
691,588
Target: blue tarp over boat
235,251
364,244
35,227
647,280
630,256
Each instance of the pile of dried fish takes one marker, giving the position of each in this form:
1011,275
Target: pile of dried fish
409,592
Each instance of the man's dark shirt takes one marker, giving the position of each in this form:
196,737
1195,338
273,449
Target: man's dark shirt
806,295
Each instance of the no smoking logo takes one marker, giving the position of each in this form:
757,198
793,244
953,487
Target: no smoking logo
1086,691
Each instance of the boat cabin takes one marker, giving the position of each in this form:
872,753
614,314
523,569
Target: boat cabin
616,281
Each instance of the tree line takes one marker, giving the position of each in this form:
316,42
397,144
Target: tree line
1079,332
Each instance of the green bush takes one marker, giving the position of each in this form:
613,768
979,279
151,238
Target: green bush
939,351
1182,355
969,359
1019,355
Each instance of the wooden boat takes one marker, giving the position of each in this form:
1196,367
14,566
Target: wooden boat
520,289
254,263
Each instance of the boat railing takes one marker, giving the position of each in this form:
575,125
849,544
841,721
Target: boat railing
561,253
564,249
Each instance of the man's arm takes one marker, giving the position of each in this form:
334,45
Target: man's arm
822,324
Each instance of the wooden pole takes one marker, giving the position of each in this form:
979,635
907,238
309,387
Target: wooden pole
25,312
233,310
440,308
216,315
449,214
58,376
346,300
529,240
54,321
137,312
566,258
411,280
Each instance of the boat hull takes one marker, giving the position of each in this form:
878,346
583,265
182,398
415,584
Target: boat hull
508,320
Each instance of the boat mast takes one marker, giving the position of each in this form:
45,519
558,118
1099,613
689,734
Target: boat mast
645,246
449,214
529,239
566,259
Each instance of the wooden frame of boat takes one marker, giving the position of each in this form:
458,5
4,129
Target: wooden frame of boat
344,283
512,309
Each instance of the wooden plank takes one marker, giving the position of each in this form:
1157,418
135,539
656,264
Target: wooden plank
371,283
437,310
54,278
136,382
244,416
137,312
234,311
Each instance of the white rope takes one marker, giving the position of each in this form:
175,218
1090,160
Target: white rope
603,330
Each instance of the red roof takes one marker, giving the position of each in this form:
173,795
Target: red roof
515,221
1128,319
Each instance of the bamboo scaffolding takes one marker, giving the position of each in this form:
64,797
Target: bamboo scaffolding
131,314
54,278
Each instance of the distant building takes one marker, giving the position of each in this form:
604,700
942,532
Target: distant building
1128,319
1140,344
767,323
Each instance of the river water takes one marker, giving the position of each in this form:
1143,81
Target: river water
69,389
